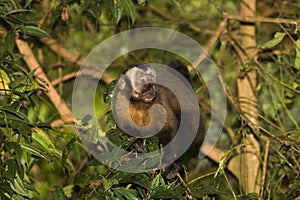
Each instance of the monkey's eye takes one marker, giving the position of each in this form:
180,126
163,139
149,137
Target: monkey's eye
144,80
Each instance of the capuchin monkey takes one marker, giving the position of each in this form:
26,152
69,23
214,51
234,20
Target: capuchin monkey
140,81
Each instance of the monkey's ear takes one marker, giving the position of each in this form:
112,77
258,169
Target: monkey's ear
122,82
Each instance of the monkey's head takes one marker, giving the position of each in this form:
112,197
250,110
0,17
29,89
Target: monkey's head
140,81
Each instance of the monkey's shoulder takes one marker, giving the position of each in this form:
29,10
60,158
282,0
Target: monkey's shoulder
167,98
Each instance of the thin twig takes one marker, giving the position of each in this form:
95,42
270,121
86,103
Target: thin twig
226,127
77,59
161,13
269,74
264,172
184,183
64,78
216,6
93,73
54,46
201,177
217,155
230,187
210,44
191,24
250,19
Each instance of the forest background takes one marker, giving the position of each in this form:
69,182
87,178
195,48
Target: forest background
255,45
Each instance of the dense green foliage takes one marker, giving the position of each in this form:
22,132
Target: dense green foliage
41,160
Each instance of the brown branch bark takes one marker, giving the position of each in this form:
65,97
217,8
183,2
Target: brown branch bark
91,73
210,44
264,171
249,165
77,59
170,18
32,63
254,19
64,78
54,46
216,154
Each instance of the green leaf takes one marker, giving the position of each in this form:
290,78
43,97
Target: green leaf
56,14
41,138
207,190
177,2
108,183
4,82
108,92
14,149
6,188
19,187
297,56
44,112
15,20
93,9
11,169
33,30
69,147
81,179
275,41
10,40
68,190
116,11
34,151
28,3
171,191
110,121
157,181
128,193
129,9
271,113
25,83
117,14
198,191
15,116
17,11
293,191
142,2
58,194
140,179
17,197
250,196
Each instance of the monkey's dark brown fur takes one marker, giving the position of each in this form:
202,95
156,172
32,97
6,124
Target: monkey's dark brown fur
150,94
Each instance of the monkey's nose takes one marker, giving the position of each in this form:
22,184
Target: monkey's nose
144,88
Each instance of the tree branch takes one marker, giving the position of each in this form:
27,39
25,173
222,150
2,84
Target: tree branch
253,19
77,59
210,44
32,63
249,165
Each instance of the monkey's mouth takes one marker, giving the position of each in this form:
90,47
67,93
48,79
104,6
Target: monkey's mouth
145,93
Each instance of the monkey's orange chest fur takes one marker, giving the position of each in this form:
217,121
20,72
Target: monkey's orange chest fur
139,113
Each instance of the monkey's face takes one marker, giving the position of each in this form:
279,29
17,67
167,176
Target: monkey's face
141,81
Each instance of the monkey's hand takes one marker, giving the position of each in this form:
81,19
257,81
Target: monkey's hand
139,146
171,170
